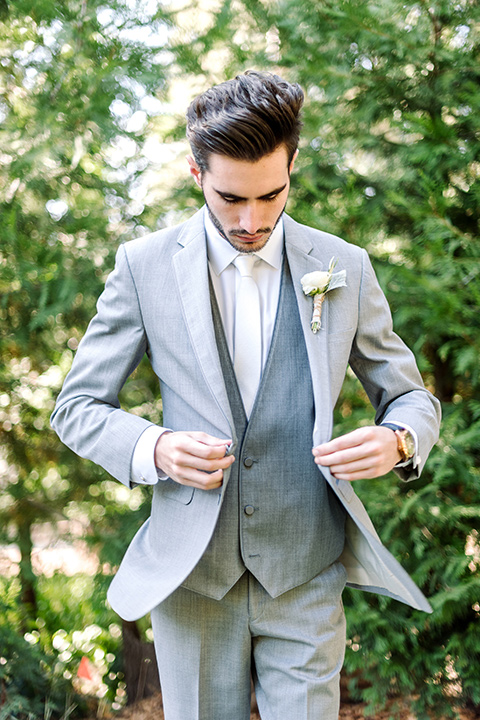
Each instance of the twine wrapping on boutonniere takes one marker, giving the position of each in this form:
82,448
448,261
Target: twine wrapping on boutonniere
317,284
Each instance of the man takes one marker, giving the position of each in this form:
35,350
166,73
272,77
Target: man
255,526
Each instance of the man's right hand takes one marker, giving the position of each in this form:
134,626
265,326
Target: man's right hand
193,458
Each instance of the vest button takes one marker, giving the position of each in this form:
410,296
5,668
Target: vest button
248,509
248,462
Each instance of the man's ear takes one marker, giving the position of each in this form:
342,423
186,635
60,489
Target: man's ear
195,171
290,167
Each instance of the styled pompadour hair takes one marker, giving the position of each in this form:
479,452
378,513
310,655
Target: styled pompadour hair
245,118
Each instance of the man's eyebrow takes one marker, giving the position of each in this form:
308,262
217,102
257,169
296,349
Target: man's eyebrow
276,191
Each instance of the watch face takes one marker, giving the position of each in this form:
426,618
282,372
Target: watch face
409,443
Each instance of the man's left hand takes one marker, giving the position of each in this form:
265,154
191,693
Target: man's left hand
368,452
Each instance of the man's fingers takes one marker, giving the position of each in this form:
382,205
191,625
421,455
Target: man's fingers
336,458
344,442
193,458
360,454
182,459
360,475
364,453
200,444
201,480
363,464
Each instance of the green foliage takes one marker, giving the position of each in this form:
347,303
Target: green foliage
391,163
40,657
431,527
31,686
78,86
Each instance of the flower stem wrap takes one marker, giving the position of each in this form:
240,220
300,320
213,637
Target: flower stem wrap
317,284
316,323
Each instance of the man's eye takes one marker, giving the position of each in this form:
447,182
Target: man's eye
235,201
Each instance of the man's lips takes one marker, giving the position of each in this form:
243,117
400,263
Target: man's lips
250,238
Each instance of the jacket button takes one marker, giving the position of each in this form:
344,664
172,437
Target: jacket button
248,509
248,462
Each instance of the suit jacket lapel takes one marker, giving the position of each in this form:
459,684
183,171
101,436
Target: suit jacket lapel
299,253
191,273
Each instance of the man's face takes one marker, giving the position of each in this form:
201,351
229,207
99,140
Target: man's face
245,199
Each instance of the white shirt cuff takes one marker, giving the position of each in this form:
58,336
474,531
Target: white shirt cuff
143,470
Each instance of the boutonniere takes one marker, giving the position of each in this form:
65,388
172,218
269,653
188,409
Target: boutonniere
317,284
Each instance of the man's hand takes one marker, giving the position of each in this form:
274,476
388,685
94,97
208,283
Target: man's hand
364,453
193,458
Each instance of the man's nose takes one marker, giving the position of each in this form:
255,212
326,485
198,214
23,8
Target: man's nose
251,218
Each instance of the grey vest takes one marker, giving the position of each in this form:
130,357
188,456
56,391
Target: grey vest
279,518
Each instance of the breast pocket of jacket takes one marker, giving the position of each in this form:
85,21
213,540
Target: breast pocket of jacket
339,349
340,344
172,490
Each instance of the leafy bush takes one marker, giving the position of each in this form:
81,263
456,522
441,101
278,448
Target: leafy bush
31,687
39,658
430,526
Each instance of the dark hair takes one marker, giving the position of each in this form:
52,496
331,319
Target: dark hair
245,118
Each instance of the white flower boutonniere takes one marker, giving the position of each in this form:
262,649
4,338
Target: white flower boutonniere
317,284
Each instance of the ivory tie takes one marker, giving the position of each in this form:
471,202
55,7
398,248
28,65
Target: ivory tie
248,332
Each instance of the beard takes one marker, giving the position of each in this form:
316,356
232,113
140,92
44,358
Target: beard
233,235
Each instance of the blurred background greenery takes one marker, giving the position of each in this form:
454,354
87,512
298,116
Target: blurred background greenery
92,102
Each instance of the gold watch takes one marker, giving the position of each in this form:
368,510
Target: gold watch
405,441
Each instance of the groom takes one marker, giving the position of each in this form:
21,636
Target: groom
255,526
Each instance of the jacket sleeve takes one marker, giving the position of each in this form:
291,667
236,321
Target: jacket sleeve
388,371
87,416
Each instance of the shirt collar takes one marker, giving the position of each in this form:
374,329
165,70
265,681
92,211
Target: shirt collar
221,253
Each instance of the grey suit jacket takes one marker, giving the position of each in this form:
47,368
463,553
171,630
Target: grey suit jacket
157,301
